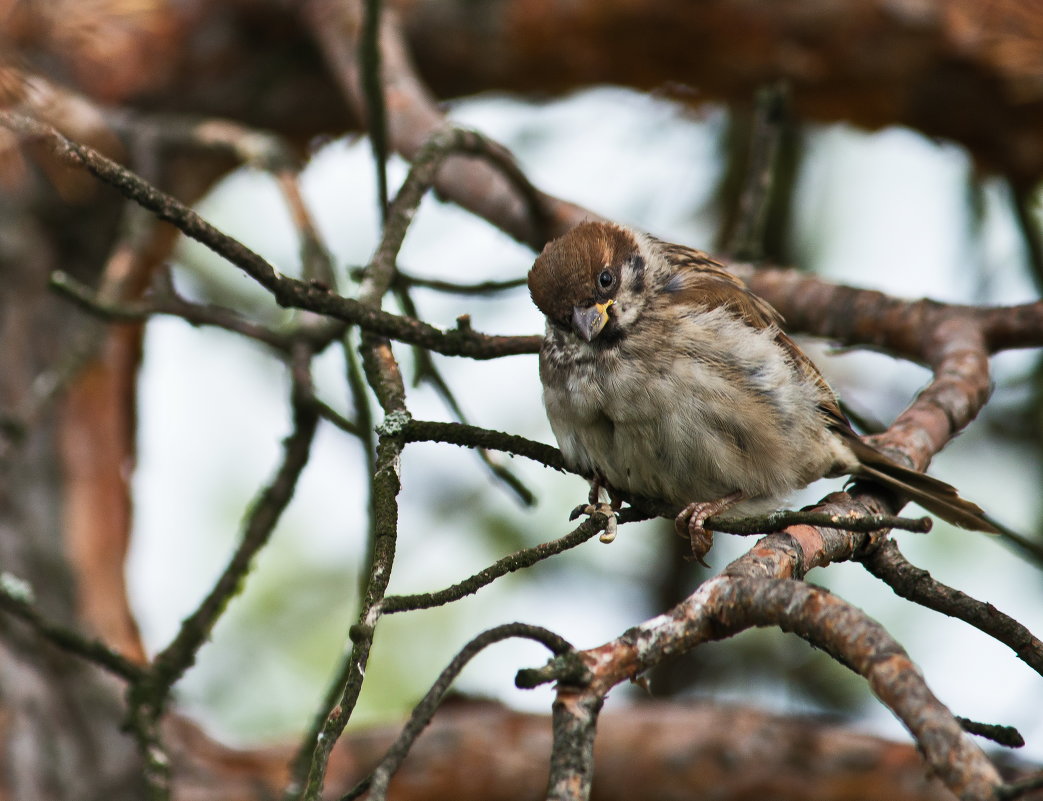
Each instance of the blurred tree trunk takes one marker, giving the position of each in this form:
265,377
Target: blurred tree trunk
61,731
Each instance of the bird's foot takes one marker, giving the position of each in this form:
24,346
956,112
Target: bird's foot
594,505
690,523
606,509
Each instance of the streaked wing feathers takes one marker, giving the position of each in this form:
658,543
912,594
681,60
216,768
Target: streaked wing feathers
707,283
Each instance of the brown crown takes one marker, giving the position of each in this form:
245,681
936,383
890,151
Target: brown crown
564,274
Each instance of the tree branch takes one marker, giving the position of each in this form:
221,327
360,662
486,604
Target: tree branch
171,663
887,563
16,598
376,785
725,605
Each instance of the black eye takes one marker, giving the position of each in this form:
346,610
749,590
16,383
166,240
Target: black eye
606,279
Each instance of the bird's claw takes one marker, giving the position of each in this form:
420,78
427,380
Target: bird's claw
605,509
690,525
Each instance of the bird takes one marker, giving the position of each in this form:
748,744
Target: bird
666,378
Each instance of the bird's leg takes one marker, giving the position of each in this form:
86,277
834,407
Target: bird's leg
690,523
595,505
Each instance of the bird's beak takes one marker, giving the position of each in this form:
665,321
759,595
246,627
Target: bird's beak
588,321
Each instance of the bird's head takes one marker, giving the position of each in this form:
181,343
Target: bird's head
590,281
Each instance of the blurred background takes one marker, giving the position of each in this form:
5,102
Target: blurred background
890,210
909,150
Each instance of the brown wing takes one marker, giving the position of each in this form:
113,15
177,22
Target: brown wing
706,282
836,419
703,281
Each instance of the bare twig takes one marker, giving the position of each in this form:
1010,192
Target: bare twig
509,564
327,412
889,565
574,724
852,521
443,143
171,663
498,191
377,783
1007,736
287,291
166,301
426,370
367,434
475,437
386,486
384,377
16,598
454,288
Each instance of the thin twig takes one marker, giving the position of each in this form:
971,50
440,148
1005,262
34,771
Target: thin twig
426,370
16,598
474,437
888,564
302,759
171,663
1007,736
384,377
327,412
377,782
368,436
316,262
508,564
454,288
777,521
495,188
287,291
167,303
308,766
439,146
386,485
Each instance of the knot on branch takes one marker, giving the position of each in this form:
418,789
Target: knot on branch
395,423
567,668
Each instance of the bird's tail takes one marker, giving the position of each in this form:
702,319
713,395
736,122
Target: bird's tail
933,495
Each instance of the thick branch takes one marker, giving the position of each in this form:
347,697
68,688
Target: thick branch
725,605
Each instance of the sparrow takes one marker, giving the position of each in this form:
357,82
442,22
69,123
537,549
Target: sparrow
664,377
